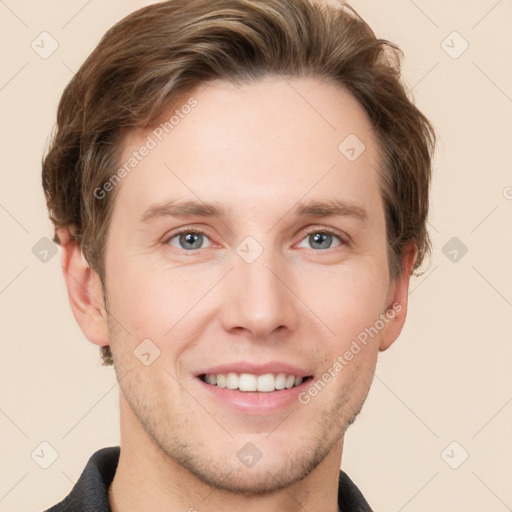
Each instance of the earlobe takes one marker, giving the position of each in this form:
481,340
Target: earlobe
84,290
397,305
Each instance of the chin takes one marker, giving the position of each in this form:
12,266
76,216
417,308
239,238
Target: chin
266,476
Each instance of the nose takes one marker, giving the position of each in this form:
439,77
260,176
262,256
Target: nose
258,298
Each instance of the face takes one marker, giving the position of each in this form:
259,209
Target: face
248,249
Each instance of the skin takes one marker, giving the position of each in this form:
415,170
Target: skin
256,149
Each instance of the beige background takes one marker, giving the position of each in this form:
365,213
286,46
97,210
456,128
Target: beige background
448,378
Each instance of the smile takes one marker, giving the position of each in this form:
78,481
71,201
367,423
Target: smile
265,383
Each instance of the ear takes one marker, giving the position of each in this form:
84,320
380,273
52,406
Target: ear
84,290
397,299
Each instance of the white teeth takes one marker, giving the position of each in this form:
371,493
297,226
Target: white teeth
221,380
248,382
280,381
232,381
266,383
290,382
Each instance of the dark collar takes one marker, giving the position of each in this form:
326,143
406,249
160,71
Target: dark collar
90,493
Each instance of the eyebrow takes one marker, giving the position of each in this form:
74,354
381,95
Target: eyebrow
187,209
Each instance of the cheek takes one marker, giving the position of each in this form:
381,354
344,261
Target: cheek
142,302
351,301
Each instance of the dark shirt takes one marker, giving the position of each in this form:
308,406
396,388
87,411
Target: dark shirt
90,493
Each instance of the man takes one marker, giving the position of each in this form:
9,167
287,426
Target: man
240,189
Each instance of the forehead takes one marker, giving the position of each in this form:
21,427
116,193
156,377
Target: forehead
272,141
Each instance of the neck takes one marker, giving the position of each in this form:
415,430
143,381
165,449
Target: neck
149,479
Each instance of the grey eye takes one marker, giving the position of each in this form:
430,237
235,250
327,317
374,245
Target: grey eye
188,240
321,240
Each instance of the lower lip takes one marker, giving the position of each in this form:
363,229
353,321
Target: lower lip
254,402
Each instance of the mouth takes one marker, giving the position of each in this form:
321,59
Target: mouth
255,389
249,382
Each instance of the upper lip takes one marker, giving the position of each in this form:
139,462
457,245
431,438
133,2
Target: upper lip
274,367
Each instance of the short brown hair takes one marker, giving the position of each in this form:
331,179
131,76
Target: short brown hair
157,54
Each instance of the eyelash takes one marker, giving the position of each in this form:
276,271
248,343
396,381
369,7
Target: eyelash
322,231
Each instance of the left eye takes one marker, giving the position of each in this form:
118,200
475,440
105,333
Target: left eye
321,239
188,240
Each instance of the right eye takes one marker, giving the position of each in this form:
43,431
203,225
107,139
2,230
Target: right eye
188,240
